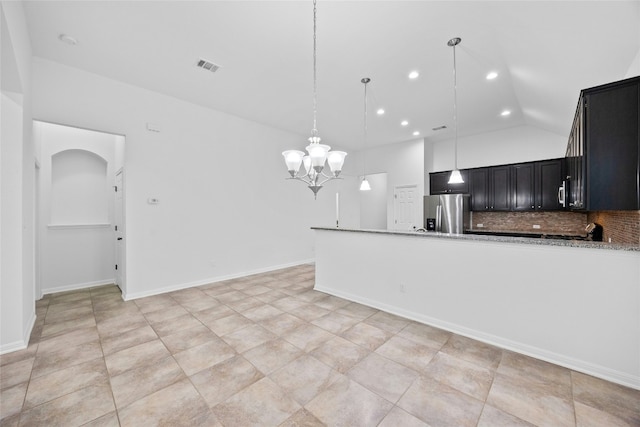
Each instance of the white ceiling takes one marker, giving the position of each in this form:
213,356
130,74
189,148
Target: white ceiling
544,52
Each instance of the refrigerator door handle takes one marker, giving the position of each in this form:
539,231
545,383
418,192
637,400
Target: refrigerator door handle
439,218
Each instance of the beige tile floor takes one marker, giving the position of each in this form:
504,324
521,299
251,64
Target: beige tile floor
268,350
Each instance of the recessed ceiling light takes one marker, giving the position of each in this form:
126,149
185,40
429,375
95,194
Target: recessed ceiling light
404,123
505,113
414,75
380,111
416,133
492,75
65,38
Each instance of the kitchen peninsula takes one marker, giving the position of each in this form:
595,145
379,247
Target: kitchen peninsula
573,303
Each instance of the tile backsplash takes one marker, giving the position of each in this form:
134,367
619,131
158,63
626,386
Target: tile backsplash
558,222
619,226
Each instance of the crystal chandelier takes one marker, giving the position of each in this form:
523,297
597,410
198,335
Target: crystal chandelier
455,178
318,154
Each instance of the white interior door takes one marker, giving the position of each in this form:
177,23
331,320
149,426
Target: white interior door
404,206
118,220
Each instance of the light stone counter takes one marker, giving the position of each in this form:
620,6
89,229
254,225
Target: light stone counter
502,239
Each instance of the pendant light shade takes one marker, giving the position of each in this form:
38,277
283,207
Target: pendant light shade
293,159
335,159
364,185
455,177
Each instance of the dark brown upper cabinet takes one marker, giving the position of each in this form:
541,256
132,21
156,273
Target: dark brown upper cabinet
523,187
531,186
535,185
490,188
603,152
439,183
549,175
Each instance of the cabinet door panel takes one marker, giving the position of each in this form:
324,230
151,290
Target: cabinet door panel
462,188
548,181
439,183
479,189
523,187
612,149
500,194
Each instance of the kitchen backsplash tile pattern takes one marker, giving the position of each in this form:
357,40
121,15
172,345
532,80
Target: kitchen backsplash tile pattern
620,226
549,222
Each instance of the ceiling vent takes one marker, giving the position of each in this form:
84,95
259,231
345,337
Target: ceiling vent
207,65
439,128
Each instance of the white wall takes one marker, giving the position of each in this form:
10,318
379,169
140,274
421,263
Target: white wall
404,165
634,69
17,302
11,293
373,203
76,234
587,319
512,145
225,208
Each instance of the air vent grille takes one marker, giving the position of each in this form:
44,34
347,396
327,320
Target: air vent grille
207,65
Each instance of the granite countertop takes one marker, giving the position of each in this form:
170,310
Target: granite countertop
530,233
496,238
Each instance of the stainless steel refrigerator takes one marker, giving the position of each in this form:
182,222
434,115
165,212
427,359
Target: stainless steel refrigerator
447,213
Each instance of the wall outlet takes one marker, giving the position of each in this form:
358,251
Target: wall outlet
479,225
402,289
536,226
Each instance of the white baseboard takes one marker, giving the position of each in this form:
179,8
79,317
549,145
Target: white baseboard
180,286
77,286
24,343
598,371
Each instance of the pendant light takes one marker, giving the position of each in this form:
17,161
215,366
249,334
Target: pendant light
365,186
318,153
455,177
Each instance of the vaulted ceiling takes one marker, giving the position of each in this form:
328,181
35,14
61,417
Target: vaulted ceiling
543,51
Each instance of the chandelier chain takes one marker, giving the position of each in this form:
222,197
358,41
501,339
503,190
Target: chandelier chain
315,86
